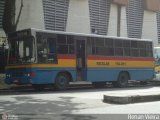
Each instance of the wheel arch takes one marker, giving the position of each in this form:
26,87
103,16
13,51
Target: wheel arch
66,73
126,72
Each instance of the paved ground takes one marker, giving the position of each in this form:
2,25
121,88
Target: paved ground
88,101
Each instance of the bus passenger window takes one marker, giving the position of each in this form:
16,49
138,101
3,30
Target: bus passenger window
127,52
118,51
71,49
63,49
41,50
52,53
134,52
46,49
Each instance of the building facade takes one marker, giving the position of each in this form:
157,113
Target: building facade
124,18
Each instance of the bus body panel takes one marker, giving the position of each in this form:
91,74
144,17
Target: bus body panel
103,68
48,75
109,75
35,75
17,75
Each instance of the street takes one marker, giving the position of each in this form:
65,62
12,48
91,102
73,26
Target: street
73,102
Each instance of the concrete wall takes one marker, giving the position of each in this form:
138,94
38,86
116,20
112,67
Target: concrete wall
112,28
123,22
78,17
32,14
149,30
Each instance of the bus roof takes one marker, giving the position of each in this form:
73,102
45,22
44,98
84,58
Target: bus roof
87,35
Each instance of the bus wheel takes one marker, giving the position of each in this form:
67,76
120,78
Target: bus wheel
38,87
122,80
98,84
62,81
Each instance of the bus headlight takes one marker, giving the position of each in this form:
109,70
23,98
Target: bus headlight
27,75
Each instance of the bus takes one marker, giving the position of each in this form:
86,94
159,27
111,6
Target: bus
44,57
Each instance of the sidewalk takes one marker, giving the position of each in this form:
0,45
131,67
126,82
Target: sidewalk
133,96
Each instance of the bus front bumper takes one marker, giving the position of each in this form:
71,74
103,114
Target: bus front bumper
17,80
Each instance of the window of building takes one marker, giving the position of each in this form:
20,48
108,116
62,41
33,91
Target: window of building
134,13
55,14
99,16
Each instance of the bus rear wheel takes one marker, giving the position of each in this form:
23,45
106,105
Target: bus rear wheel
122,80
62,81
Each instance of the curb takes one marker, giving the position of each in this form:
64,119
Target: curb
131,99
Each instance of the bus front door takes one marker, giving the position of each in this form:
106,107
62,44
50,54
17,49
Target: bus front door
81,60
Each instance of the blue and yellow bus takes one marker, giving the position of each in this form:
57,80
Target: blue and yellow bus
43,57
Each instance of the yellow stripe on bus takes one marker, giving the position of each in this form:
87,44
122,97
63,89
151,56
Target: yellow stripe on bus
61,63
122,64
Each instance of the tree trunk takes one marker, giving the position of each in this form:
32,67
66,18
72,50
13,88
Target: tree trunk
9,16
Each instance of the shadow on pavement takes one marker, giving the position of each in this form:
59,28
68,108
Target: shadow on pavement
28,108
22,90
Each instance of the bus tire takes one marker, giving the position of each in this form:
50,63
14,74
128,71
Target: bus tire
38,87
98,84
62,81
122,81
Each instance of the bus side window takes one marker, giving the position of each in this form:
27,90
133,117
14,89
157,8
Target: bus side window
52,53
41,49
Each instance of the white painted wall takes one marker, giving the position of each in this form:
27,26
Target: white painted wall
112,28
149,30
123,22
32,14
78,17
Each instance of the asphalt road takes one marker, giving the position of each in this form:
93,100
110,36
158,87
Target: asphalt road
75,103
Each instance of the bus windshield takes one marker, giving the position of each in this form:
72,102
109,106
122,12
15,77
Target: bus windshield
21,50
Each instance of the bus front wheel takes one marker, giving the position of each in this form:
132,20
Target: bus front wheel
62,81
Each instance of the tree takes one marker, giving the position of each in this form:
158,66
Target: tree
9,16
9,22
